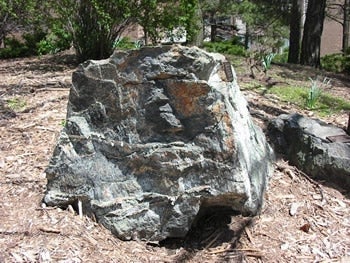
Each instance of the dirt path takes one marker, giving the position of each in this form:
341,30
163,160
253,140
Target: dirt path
30,232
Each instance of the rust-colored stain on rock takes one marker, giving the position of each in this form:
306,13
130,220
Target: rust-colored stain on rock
187,96
223,118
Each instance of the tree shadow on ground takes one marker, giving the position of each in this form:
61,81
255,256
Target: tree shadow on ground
27,75
304,73
54,63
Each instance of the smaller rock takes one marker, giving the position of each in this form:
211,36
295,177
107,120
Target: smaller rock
305,143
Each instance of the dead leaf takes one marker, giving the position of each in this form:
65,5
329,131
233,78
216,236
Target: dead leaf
305,228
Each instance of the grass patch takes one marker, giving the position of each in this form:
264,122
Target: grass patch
330,104
16,104
253,85
325,105
292,94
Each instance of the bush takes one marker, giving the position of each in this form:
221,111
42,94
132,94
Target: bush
281,58
346,64
334,62
57,40
225,47
31,41
15,48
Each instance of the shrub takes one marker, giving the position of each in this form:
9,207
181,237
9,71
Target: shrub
57,40
335,62
281,58
225,47
15,48
31,41
346,64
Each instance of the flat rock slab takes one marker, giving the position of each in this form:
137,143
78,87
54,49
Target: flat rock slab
307,144
153,136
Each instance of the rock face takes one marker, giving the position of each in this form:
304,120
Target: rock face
306,145
153,136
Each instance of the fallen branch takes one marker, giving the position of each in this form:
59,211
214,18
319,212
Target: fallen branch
52,89
213,241
312,181
249,235
26,233
50,230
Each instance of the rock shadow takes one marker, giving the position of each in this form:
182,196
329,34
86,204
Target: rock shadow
213,227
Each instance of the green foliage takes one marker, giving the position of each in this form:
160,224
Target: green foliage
186,17
31,41
27,15
15,48
91,25
281,58
266,22
57,40
160,17
336,63
225,47
24,14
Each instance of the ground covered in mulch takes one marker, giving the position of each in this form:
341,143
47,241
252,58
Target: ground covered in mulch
302,220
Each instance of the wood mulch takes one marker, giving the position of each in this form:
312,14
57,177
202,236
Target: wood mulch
302,220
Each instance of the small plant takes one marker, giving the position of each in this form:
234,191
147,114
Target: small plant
16,104
138,44
315,91
266,61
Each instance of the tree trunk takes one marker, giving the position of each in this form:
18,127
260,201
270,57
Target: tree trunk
247,37
295,26
346,26
313,27
197,39
212,22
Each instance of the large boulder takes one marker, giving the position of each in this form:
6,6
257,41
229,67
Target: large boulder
153,136
311,145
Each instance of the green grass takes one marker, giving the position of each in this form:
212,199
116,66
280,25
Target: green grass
325,105
296,92
252,85
16,104
330,104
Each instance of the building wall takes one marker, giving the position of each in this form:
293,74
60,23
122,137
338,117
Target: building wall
332,37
